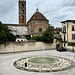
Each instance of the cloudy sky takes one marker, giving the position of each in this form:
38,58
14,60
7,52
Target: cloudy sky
54,10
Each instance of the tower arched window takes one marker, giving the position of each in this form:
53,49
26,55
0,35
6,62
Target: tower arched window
22,11
22,5
22,17
40,29
64,29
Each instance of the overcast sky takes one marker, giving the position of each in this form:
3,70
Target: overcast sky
54,10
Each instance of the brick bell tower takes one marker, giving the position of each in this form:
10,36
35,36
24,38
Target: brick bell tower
22,12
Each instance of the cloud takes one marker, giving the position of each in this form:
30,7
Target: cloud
68,3
6,6
7,9
54,10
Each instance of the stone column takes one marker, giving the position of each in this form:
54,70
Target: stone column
40,68
50,68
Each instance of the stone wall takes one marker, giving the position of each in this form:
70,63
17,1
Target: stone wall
18,30
27,46
34,26
70,48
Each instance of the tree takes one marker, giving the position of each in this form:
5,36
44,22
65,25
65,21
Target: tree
5,35
48,35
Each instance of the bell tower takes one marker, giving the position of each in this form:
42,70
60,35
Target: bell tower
22,12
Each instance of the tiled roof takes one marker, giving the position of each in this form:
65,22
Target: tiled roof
58,28
38,16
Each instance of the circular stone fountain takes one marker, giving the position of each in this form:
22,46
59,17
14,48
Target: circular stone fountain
43,63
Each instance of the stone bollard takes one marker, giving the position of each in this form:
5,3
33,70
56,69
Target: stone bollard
70,60
29,67
50,68
40,68
60,67
18,64
67,65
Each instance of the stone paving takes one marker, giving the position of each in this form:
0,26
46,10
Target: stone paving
7,60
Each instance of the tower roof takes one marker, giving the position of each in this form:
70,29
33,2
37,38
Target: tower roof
38,16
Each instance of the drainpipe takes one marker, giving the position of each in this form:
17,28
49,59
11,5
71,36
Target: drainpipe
67,33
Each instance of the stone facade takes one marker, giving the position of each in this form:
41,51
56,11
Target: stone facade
18,29
26,46
36,27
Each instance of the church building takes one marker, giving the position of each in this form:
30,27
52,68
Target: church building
36,25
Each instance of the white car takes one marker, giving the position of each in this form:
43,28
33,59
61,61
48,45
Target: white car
21,40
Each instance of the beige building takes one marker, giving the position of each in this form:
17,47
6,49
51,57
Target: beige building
68,33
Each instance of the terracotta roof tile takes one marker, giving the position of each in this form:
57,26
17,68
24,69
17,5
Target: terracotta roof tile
38,16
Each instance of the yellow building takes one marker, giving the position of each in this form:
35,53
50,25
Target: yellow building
68,33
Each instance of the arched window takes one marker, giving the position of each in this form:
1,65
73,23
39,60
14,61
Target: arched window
64,29
22,5
40,29
22,11
22,17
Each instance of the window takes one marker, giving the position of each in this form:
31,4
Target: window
31,30
22,5
40,29
22,17
73,28
22,11
64,29
73,36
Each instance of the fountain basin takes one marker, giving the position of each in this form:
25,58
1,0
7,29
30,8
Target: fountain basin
43,61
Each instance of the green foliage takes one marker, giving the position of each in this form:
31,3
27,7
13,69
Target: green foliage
5,35
47,36
37,38
28,37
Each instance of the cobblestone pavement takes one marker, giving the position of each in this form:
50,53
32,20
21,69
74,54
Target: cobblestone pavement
7,60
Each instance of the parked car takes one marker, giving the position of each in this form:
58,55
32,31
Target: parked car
21,40
61,49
